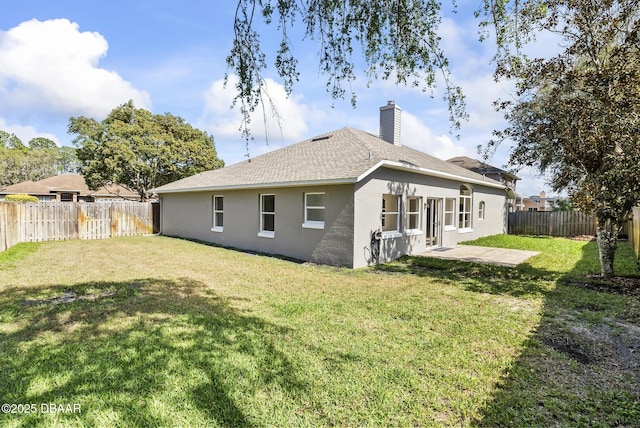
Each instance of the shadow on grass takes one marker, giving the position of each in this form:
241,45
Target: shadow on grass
523,280
139,353
580,366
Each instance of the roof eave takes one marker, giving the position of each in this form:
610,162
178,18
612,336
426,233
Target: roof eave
384,163
426,171
328,182
3,192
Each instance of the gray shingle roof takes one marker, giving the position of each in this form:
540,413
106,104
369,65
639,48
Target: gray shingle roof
479,166
66,183
343,155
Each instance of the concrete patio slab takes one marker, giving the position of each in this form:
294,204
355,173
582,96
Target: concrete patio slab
471,253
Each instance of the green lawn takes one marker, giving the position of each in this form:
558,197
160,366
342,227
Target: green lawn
167,332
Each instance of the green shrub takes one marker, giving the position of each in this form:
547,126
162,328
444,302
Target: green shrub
22,198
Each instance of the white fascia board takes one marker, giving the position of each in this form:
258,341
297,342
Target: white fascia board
260,186
425,171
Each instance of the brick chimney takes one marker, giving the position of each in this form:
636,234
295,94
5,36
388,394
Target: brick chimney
390,123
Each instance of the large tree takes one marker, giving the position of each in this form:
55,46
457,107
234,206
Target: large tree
140,150
577,115
41,158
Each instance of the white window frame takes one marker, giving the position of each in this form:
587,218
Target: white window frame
465,213
215,227
267,233
417,230
390,233
482,210
313,224
450,215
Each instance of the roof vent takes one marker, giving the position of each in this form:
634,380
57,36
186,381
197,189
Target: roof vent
326,137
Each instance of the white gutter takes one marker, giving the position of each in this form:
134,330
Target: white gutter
384,163
259,186
426,171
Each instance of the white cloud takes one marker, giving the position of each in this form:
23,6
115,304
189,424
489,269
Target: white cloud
481,91
51,65
223,121
26,132
417,135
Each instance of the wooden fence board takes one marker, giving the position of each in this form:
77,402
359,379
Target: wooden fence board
551,223
9,231
51,221
634,231
558,223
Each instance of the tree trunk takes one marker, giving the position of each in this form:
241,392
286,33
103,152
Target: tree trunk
607,244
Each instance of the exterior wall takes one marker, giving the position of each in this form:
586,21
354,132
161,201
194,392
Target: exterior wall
539,204
190,215
531,205
368,206
507,180
352,216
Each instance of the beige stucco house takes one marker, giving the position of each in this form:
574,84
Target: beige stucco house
539,203
346,198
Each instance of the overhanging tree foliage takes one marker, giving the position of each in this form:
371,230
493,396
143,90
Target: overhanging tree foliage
577,115
398,40
140,150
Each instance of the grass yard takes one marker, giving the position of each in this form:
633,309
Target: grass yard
157,331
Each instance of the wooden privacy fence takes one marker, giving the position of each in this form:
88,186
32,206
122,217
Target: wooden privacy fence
551,223
53,221
634,231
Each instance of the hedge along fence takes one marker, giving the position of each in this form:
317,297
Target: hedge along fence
20,198
54,221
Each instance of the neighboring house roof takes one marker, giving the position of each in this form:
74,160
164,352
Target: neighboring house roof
71,183
26,187
480,167
346,155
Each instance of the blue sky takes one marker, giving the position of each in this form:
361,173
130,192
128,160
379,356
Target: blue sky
70,58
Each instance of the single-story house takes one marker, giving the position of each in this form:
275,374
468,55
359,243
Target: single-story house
67,188
346,198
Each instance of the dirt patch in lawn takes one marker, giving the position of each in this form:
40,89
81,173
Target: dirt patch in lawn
625,286
586,238
628,286
613,343
598,340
